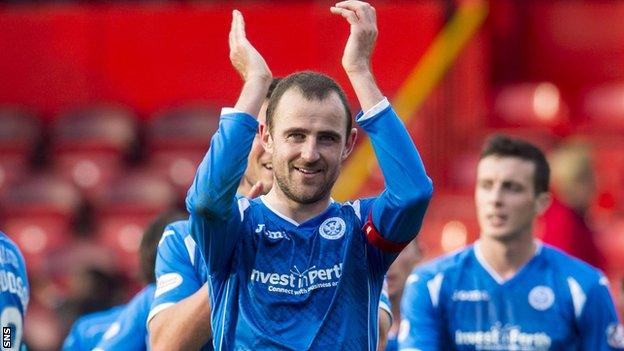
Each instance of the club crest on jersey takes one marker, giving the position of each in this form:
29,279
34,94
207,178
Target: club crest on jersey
615,335
541,297
333,228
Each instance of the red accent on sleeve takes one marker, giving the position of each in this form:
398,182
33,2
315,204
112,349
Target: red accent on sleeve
378,241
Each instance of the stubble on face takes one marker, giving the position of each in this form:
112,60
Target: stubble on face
308,142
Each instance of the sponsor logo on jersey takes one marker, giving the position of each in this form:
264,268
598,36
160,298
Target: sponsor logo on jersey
508,337
298,282
615,335
470,295
167,282
274,235
333,228
541,297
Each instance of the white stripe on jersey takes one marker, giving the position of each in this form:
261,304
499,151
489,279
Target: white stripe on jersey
190,247
578,296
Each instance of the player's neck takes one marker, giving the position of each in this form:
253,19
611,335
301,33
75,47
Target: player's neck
295,210
507,257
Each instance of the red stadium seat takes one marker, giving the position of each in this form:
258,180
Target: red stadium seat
130,203
19,135
531,105
604,106
182,128
178,166
39,213
90,146
177,140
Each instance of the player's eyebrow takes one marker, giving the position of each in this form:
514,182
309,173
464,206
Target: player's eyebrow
296,130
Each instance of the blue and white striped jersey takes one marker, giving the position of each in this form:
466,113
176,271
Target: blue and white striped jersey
279,284
129,330
555,302
180,268
87,331
14,290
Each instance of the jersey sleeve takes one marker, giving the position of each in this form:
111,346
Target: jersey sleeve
176,277
215,213
598,324
129,331
384,300
396,215
421,323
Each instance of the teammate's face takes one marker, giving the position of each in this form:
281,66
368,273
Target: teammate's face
308,144
259,166
505,197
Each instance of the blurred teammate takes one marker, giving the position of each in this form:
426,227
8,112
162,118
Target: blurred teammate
180,315
564,224
396,277
88,330
293,269
124,327
14,292
509,291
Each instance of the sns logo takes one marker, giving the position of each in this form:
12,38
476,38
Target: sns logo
271,235
332,228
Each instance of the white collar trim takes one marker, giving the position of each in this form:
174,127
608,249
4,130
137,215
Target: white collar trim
283,216
491,271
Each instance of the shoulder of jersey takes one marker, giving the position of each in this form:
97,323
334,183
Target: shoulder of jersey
446,264
573,267
7,242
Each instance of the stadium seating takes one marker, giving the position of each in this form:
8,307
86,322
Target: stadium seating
537,105
128,205
38,213
19,134
90,145
604,107
177,140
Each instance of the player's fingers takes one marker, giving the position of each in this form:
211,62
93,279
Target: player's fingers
240,24
349,15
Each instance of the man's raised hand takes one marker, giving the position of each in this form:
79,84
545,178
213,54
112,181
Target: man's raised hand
363,20
244,57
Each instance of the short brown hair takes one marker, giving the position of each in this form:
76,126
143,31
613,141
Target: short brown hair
313,86
501,145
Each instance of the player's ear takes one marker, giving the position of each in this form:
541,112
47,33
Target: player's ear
350,143
544,200
265,137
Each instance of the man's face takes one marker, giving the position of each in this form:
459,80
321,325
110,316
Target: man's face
505,198
259,166
308,144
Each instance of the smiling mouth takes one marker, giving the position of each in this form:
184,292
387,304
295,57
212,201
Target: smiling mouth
307,171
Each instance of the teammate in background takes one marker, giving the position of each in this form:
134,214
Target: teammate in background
564,224
88,330
395,278
124,327
509,291
180,315
14,293
293,269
